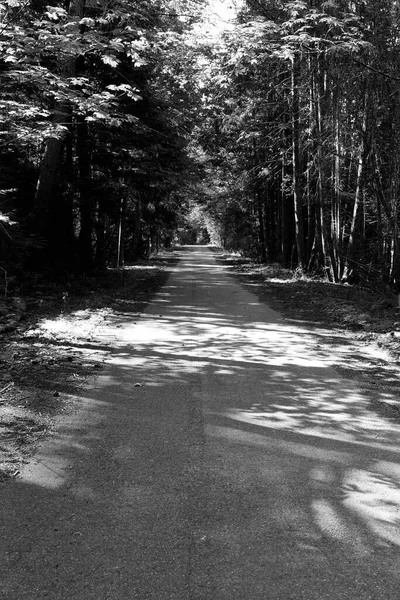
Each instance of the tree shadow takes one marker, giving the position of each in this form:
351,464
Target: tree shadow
218,456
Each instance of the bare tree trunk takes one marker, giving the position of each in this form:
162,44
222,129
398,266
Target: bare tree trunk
86,197
287,224
322,242
358,192
271,224
121,234
261,225
137,231
311,230
100,227
297,188
336,211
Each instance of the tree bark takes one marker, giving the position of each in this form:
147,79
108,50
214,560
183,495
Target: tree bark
261,225
336,209
85,241
322,240
50,174
286,223
121,234
296,166
50,205
354,226
137,231
100,226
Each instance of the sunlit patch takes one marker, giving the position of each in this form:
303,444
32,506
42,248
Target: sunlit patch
140,267
49,472
328,520
76,323
333,525
300,419
271,444
273,370
332,409
322,474
375,498
390,469
239,363
207,336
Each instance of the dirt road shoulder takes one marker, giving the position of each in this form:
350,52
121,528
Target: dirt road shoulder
357,328
55,347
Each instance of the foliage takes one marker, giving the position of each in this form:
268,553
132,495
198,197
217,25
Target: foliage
94,114
126,124
300,116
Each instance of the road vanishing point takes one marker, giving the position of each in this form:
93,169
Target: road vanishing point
218,456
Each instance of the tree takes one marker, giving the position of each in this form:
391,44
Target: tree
91,76
302,97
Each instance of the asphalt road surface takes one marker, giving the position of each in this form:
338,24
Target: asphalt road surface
217,457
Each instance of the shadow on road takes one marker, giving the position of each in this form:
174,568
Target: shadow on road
245,452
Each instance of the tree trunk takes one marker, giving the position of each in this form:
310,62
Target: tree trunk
121,234
358,194
137,231
271,224
100,226
261,225
50,204
296,166
322,240
287,224
49,177
336,212
85,197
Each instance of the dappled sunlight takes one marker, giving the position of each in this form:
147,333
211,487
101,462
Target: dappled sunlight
140,266
375,498
336,527
296,388
339,413
214,337
257,371
52,463
327,519
357,508
50,473
78,324
248,435
305,448
266,383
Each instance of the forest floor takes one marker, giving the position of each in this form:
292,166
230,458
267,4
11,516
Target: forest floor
50,339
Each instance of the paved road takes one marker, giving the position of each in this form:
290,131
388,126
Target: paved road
243,467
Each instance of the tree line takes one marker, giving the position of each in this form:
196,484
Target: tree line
128,124
303,120
95,116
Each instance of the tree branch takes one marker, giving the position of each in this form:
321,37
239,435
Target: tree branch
363,64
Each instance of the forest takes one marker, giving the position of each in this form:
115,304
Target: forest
132,125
